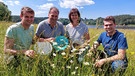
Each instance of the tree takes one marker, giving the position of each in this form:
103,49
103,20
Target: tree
5,14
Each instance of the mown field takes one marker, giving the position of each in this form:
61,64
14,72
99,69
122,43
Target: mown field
59,64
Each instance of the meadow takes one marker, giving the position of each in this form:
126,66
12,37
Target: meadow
61,64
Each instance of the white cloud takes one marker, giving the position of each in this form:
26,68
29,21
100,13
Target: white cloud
51,0
17,2
45,6
38,13
44,9
75,3
1,1
12,3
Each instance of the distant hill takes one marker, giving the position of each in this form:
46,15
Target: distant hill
16,18
125,19
120,20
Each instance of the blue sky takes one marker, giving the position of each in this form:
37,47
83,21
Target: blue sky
90,9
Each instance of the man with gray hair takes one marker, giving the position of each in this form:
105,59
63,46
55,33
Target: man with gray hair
48,29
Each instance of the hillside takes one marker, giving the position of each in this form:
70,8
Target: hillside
120,20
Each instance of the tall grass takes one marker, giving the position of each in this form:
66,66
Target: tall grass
63,63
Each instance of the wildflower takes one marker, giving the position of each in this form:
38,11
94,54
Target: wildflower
73,73
55,43
42,52
95,44
68,46
63,53
36,55
54,54
58,47
76,67
71,55
69,67
0,56
73,50
81,51
132,53
86,63
71,61
52,65
86,47
89,54
93,75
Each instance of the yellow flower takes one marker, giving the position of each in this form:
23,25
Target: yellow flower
132,53
93,75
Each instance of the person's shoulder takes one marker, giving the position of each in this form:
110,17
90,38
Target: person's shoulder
15,25
120,33
43,22
59,23
68,25
83,24
103,33
31,26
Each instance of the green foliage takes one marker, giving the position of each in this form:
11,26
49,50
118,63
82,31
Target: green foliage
120,20
125,19
5,14
65,21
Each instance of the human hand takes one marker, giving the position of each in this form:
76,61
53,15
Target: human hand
41,39
99,63
30,53
50,39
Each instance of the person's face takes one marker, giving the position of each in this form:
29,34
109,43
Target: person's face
74,17
109,26
53,15
27,18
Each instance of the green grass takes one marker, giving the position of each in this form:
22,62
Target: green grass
63,65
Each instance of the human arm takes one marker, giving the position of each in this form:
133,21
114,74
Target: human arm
51,39
8,48
119,56
87,36
44,39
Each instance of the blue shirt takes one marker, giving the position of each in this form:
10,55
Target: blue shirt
22,37
44,30
112,44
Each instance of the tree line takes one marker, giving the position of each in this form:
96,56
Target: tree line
126,19
5,13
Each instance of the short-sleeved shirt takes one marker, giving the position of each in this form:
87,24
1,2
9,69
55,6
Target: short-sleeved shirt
77,32
22,37
44,30
112,44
